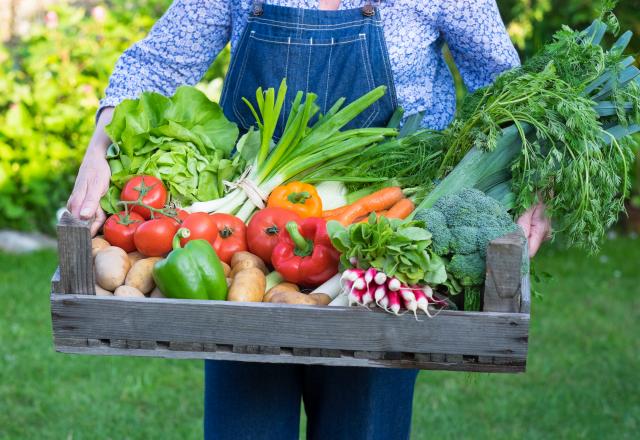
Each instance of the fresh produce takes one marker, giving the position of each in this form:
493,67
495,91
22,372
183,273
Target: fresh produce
128,291
462,224
156,293
301,198
148,191
119,229
245,260
264,229
191,272
283,287
185,140
201,227
134,257
97,244
248,285
305,255
301,149
140,275
226,268
332,193
400,210
231,236
154,237
102,292
400,249
378,201
111,266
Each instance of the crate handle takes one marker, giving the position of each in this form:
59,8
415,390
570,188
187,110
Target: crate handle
74,253
506,288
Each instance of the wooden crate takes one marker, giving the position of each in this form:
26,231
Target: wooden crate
494,340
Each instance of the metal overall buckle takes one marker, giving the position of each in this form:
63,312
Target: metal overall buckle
369,10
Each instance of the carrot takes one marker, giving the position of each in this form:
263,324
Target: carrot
336,211
365,218
401,209
379,200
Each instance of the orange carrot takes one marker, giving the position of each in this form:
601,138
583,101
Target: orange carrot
379,200
365,218
332,212
401,210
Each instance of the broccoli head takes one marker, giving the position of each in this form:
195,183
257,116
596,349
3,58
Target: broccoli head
462,225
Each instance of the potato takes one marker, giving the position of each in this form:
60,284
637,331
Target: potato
101,292
248,286
282,287
128,291
156,293
97,244
226,268
321,299
111,265
140,275
292,297
245,260
134,257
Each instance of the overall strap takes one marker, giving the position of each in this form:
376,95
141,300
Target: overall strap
368,10
257,9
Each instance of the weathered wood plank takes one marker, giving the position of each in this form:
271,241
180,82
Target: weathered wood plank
502,289
525,296
509,367
265,324
56,286
74,252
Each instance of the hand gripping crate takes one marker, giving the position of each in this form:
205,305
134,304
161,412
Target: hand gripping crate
494,340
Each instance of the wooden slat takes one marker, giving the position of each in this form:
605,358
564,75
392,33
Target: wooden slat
525,295
265,324
74,252
502,289
508,366
56,286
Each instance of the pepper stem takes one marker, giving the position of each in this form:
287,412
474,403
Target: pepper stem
182,233
303,247
299,197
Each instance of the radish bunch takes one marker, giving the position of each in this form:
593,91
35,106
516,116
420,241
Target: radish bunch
372,287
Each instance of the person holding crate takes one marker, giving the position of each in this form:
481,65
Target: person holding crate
335,49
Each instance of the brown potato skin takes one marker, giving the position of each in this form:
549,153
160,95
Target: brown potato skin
102,292
111,266
128,291
140,275
156,293
291,297
97,244
282,287
135,256
226,268
321,299
248,286
245,260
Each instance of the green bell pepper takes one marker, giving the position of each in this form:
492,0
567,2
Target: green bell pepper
191,272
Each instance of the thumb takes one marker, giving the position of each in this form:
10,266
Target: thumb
91,203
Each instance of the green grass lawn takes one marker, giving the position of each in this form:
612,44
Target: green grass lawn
583,378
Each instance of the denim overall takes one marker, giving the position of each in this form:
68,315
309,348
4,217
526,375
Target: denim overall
333,54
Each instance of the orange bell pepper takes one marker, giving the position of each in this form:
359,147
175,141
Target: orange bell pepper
299,197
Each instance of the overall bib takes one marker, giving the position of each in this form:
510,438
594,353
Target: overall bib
333,54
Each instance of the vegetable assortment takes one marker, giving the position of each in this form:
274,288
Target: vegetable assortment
397,218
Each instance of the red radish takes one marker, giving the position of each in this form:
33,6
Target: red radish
409,298
380,278
360,284
379,293
384,302
370,274
355,296
353,261
394,301
393,284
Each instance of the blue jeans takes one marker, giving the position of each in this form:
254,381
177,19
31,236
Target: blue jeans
262,401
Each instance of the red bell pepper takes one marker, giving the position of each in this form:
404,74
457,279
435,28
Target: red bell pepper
305,254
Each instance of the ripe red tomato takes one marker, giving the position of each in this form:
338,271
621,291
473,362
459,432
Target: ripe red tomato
201,226
154,238
119,229
151,189
231,236
180,216
263,230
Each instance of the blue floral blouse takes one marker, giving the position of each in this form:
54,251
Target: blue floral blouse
184,42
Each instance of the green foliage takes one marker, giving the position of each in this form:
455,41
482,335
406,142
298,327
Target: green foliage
50,82
185,140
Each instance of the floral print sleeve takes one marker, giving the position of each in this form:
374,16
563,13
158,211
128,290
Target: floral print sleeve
477,39
178,50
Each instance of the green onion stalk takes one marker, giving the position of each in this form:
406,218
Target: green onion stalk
301,149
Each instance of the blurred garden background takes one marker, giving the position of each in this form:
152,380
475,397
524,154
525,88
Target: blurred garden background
55,60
